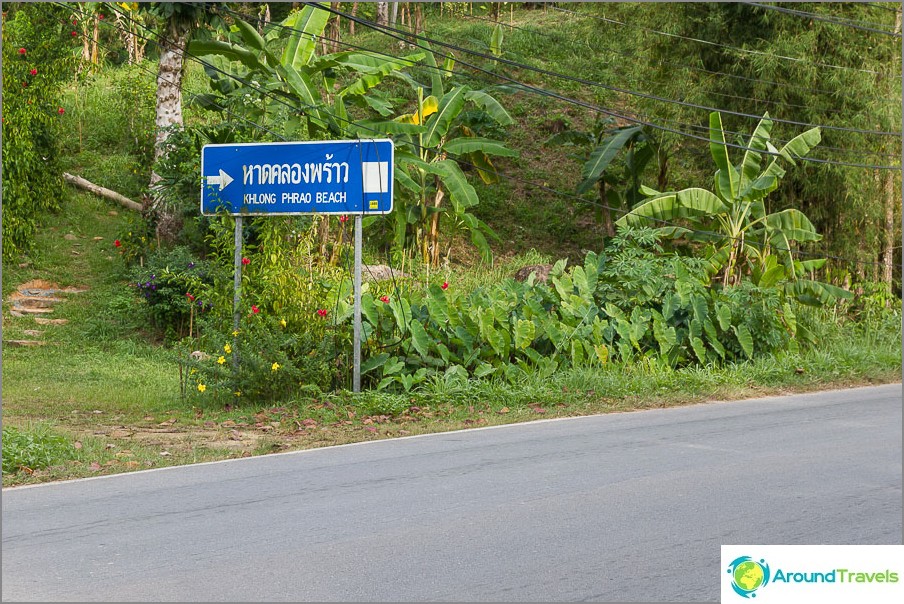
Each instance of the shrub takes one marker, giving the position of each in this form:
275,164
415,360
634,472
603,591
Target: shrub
36,60
177,287
33,449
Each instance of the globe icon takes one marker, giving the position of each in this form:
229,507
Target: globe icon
748,575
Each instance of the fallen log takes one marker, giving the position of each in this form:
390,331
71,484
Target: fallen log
87,185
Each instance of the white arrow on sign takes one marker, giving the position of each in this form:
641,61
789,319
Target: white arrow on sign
223,180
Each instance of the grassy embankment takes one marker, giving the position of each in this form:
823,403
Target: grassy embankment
112,390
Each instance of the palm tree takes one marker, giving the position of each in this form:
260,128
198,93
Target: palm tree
179,20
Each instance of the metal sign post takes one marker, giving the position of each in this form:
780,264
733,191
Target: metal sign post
356,375
236,298
352,177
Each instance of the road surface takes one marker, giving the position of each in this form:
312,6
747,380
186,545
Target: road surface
623,507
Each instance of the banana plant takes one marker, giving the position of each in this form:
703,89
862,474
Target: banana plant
430,143
298,76
599,148
732,220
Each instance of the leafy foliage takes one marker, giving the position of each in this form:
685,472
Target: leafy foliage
36,61
33,449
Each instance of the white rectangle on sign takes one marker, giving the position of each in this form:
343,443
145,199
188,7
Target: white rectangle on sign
376,176
786,574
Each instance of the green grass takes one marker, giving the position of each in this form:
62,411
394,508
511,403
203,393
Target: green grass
103,395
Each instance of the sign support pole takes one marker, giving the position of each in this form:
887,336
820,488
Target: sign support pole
356,378
236,298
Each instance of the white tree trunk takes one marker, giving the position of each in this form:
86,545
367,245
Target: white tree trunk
169,114
382,13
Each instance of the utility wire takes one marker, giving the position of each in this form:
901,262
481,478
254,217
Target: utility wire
522,181
520,85
586,82
696,126
864,26
634,56
717,44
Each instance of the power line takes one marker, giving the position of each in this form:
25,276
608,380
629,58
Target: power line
717,44
507,176
611,88
808,89
577,102
871,27
705,128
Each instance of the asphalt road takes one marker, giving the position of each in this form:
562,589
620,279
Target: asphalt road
620,507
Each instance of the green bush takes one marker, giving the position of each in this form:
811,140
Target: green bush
34,449
37,59
262,361
176,286
636,304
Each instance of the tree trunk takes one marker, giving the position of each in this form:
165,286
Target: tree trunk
888,254
351,22
607,213
394,17
87,185
169,114
382,13
890,202
434,226
334,33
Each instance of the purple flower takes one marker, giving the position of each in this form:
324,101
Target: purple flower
191,265
154,287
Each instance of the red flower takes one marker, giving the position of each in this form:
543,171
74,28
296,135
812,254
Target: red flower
255,309
61,111
75,22
101,17
74,34
321,313
445,285
117,243
33,72
384,299
245,261
343,218
190,297
22,51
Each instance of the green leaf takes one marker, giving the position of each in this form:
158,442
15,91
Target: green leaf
750,165
603,155
727,177
419,338
369,127
772,276
744,339
374,362
492,106
496,41
525,331
816,292
793,225
228,51
484,369
436,77
699,348
402,313
461,192
688,203
438,124
470,144
308,24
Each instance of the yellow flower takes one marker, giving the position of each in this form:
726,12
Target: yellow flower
282,322
227,348
275,367
201,387
236,332
221,360
238,393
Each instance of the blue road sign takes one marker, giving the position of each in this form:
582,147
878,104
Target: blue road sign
326,177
